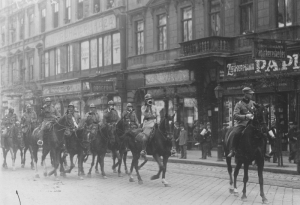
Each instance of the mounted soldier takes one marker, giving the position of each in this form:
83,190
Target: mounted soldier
49,114
130,118
8,121
150,113
28,119
110,115
92,117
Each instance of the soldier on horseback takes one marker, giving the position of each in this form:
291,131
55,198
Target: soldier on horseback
149,112
8,121
92,117
110,115
29,117
50,114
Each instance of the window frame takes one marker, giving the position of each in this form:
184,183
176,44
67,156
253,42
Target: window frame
30,24
79,9
183,20
164,37
213,13
98,2
284,14
43,20
140,33
55,11
31,68
67,11
249,4
21,28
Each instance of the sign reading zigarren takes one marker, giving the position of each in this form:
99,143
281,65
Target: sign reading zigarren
83,30
103,87
269,49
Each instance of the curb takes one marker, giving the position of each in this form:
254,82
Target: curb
266,169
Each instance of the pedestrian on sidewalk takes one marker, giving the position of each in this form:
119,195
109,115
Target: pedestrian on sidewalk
204,143
292,135
183,137
272,136
176,136
208,140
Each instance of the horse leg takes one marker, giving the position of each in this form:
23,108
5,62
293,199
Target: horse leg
72,164
136,166
22,154
13,158
160,165
124,160
229,169
31,156
101,160
24,157
245,180
92,165
35,159
236,173
144,162
165,161
119,163
80,164
96,167
62,168
260,168
55,161
131,167
4,158
114,156
45,152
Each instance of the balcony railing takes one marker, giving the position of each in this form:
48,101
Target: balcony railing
207,45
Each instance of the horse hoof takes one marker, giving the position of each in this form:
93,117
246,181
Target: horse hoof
22,166
265,201
45,174
154,177
89,175
131,180
126,172
115,171
120,175
97,172
37,176
32,168
140,182
167,185
63,174
104,177
14,168
244,198
80,177
56,179
231,191
236,193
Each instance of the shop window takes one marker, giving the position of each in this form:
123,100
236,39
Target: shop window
139,37
85,55
107,50
96,6
187,24
80,9
110,4
43,20
215,22
69,58
46,64
31,24
246,7
21,28
100,54
57,61
67,11
116,48
31,69
2,34
55,14
284,13
162,32
94,53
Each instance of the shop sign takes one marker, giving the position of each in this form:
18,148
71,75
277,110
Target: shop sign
103,87
60,89
269,49
189,102
167,77
80,31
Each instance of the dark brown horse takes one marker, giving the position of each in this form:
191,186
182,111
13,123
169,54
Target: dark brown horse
100,145
27,130
53,140
159,145
78,144
251,147
13,141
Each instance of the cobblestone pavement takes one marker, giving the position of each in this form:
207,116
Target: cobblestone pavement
190,184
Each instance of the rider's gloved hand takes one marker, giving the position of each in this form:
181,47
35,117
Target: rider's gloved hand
249,116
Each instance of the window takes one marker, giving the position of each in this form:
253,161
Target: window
215,23
284,13
31,19
68,11
31,74
100,55
96,6
55,14
85,55
43,20
162,32
12,29
21,19
187,24
116,48
69,58
2,35
80,9
107,50
46,64
246,16
94,53
110,4
57,61
139,37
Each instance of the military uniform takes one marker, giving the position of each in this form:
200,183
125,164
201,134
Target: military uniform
149,112
110,116
29,117
8,121
131,119
92,117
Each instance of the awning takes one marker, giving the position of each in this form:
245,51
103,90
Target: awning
168,84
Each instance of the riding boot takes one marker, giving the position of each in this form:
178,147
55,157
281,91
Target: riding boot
2,142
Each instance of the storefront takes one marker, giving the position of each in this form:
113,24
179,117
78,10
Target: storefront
256,74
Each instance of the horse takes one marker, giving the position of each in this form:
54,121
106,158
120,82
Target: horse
53,141
100,145
251,148
27,131
79,144
160,144
13,141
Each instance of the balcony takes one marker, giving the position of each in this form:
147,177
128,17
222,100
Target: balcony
206,47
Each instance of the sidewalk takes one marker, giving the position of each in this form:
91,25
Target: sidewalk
193,157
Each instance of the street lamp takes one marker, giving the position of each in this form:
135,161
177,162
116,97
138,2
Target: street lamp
219,94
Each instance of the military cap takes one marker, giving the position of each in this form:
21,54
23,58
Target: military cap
71,105
247,90
129,105
148,96
111,102
28,106
47,100
92,106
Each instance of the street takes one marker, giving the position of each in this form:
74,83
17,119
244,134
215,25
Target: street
190,184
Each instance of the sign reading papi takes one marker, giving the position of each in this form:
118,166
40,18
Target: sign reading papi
269,50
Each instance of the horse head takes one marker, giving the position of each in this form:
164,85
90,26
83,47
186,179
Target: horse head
164,126
260,117
17,133
65,124
108,131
